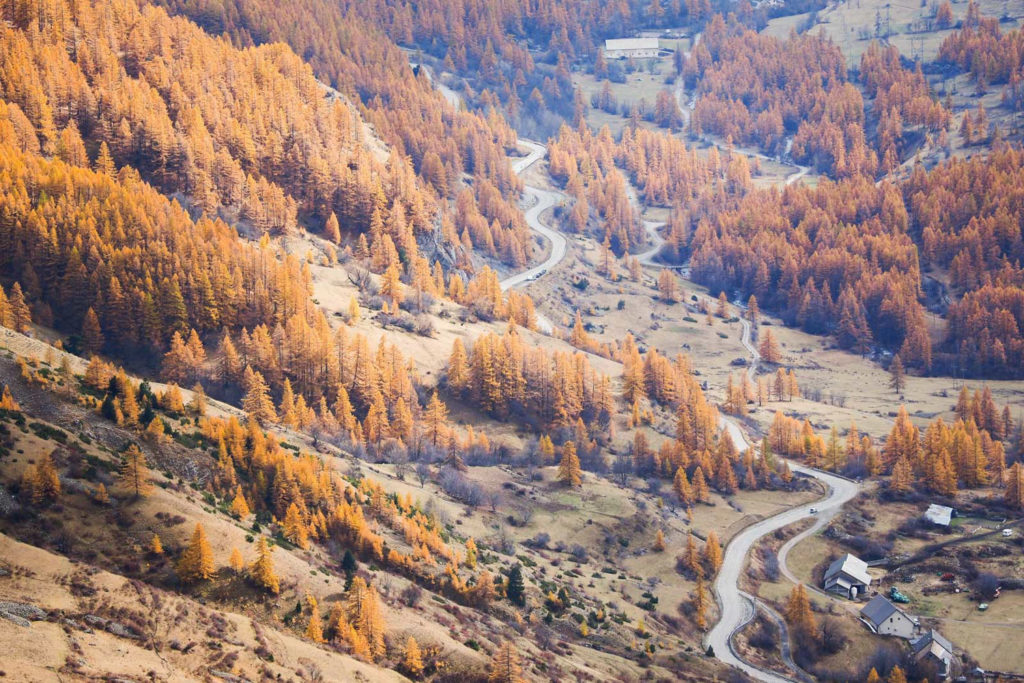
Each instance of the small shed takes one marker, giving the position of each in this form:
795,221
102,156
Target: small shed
939,515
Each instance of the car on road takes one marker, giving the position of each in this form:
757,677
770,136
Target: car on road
813,511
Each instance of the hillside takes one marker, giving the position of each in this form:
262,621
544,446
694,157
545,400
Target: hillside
435,341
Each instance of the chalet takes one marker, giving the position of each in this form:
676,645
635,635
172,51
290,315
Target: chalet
626,48
933,648
847,576
886,619
939,515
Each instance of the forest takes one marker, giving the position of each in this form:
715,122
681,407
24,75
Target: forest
376,339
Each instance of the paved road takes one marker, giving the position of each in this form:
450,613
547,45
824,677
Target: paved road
542,201
737,606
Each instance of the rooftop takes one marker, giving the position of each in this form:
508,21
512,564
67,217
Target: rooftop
878,610
929,638
939,514
631,44
854,567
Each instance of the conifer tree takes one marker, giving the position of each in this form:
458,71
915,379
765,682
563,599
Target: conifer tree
436,419
294,528
700,604
504,666
92,336
722,308
769,348
134,474
668,288
412,660
873,677
897,375
659,542
700,486
897,675
798,612
690,558
257,403
834,455
287,414
101,496
196,562
1014,494
236,562
547,450
458,372
239,506
713,552
391,286
19,312
753,311
902,476
156,547
155,430
44,481
682,488
7,401
569,473
515,589
332,231
314,629
262,570
364,614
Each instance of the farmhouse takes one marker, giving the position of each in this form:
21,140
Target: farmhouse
939,514
886,619
934,648
847,576
625,48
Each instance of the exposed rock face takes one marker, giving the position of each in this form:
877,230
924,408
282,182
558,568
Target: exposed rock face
21,613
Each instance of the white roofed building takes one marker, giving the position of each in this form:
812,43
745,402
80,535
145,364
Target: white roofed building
939,514
848,576
625,48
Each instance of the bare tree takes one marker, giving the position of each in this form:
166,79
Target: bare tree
422,472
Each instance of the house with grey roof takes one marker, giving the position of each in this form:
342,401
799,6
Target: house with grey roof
847,576
886,619
934,648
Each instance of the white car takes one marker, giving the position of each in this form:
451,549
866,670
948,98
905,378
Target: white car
813,511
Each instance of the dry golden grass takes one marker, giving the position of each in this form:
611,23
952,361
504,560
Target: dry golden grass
42,651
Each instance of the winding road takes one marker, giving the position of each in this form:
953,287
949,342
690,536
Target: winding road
542,201
736,606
